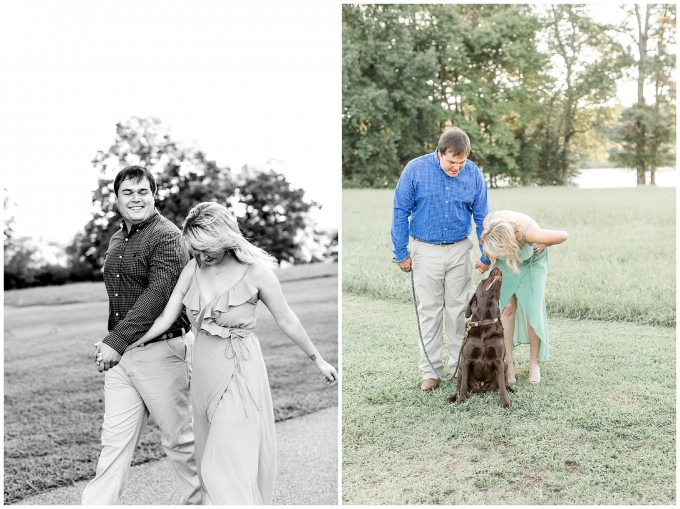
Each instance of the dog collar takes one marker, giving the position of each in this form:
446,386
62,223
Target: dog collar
470,325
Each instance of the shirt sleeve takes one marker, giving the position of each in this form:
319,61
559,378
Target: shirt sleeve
167,260
404,200
480,209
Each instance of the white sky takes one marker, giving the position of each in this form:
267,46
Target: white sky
249,81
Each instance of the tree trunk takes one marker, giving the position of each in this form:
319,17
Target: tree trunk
642,62
565,159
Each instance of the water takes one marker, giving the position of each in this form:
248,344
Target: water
619,177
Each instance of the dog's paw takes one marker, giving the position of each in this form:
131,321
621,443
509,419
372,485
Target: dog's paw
451,399
511,388
505,403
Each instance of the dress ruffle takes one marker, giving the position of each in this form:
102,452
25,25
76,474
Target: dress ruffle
238,294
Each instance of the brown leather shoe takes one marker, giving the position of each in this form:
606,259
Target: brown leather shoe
429,384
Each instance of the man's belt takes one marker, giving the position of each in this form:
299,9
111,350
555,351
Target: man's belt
439,243
174,333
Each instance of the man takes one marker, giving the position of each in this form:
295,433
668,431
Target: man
441,193
143,263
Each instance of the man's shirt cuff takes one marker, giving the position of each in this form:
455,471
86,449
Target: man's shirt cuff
118,344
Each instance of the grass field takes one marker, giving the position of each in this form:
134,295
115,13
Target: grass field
54,395
621,243
601,426
598,430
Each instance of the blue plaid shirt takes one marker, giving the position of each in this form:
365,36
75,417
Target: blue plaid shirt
441,208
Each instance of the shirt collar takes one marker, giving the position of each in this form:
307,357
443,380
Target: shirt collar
136,227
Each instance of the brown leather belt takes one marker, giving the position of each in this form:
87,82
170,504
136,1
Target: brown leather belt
174,333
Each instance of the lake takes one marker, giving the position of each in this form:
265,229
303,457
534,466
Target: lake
620,177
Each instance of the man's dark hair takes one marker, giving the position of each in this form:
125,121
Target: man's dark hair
454,140
134,173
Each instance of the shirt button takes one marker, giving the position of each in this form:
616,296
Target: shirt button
126,240
116,314
120,257
116,295
117,275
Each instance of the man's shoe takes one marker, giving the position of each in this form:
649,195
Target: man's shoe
429,384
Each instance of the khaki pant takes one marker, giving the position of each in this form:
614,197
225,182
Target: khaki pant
442,276
149,380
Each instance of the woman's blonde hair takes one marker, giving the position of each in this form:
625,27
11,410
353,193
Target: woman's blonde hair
499,240
211,228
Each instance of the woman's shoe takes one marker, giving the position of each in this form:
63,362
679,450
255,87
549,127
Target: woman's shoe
511,380
534,380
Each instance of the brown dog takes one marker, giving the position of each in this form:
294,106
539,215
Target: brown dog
482,367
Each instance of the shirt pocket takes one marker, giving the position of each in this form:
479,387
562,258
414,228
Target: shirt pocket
134,265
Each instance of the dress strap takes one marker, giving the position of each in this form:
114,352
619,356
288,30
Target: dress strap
525,230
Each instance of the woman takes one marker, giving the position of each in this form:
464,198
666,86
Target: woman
232,404
518,247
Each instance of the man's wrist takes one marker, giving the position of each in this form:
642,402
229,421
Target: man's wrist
394,258
116,343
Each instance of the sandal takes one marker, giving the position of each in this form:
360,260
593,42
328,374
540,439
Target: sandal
514,380
535,381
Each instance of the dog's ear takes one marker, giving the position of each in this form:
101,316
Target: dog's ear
468,310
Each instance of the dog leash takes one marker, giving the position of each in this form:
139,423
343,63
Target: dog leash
422,343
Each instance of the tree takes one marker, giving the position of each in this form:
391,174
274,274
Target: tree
489,80
647,131
388,80
185,177
273,215
589,62
410,71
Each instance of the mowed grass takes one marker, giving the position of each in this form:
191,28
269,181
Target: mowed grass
598,429
618,263
54,396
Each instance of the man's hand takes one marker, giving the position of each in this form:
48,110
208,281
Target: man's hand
405,265
106,358
481,267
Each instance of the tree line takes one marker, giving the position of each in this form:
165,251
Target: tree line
270,213
534,86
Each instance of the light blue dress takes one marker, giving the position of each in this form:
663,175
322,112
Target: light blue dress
529,287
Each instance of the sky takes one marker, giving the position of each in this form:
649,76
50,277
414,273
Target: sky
249,82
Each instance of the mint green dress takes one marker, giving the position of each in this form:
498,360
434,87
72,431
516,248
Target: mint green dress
529,287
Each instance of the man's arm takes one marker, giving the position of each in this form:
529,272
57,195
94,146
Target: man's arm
404,200
480,209
167,261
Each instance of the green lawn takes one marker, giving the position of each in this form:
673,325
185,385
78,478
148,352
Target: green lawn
54,395
601,426
621,243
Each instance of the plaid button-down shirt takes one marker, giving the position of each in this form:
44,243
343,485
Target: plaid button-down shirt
441,208
140,271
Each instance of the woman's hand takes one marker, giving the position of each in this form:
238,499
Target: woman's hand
539,247
328,371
